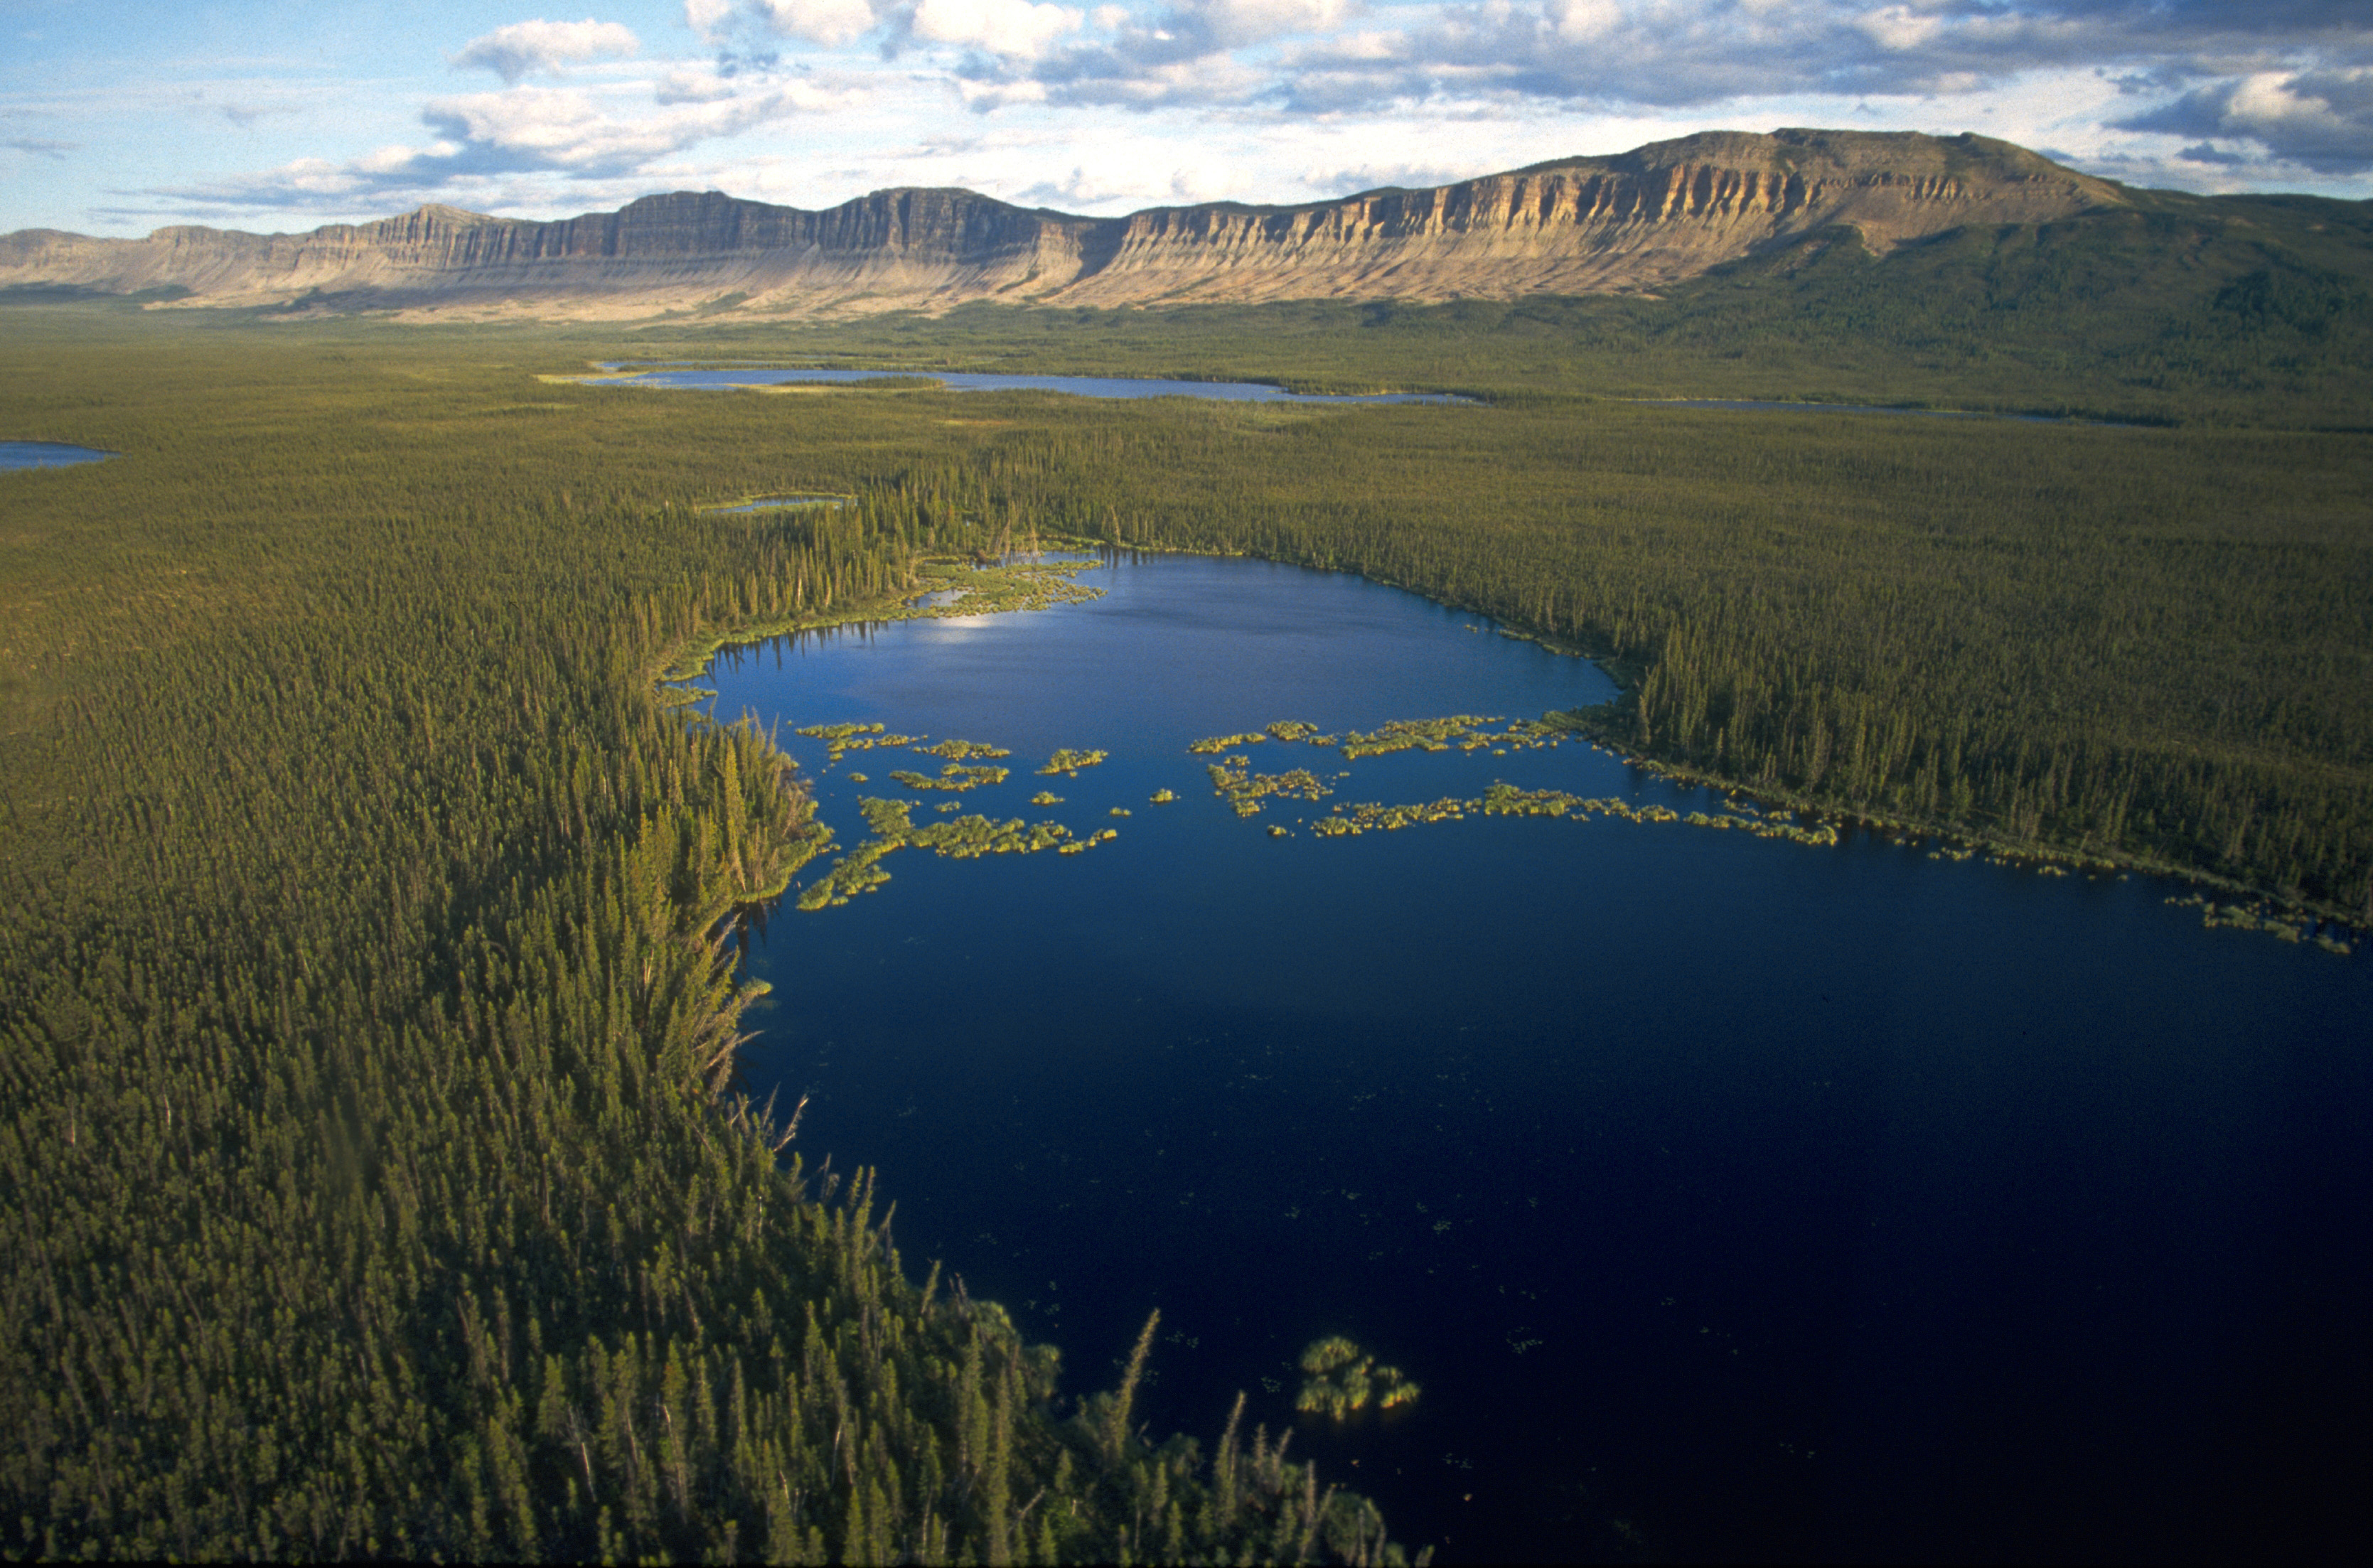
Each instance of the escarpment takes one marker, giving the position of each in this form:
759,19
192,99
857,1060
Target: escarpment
1641,220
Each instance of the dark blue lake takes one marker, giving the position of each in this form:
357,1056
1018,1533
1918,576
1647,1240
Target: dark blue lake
1765,1200
712,377
46,454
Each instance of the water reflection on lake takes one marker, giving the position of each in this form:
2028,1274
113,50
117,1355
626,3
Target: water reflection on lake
780,503
47,454
712,377
1779,1201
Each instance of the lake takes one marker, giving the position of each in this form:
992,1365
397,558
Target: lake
1726,1197
47,454
713,379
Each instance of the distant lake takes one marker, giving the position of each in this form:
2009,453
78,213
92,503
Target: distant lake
1779,1201
711,377
47,454
779,503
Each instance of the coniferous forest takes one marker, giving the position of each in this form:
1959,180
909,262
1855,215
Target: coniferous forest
377,1175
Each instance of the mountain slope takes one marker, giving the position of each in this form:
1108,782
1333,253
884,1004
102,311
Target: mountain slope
1637,221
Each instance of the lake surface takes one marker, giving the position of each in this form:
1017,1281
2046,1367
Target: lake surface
711,377
1770,1201
779,503
46,454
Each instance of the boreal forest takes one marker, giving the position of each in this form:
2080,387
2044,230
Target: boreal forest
377,1174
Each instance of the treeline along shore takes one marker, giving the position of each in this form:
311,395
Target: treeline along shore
376,1173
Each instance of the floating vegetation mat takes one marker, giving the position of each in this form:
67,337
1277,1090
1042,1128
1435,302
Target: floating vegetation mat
1506,800
1232,779
952,588
1068,763
1460,731
841,739
958,838
2261,917
955,775
963,751
1340,1379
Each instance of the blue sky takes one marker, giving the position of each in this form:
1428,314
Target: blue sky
117,118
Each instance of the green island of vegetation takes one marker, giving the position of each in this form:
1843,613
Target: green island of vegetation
959,838
379,1182
963,751
1233,780
1340,1379
1506,800
1068,763
954,776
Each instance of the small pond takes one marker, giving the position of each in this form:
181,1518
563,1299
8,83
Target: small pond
1764,1199
715,378
779,503
47,454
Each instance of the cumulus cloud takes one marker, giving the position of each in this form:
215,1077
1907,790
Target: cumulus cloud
513,52
1016,28
829,22
2317,119
1337,55
2213,92
514,131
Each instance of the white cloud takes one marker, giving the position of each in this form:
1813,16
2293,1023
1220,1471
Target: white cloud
832,23
1163,100
1579,21
512,51
1012,27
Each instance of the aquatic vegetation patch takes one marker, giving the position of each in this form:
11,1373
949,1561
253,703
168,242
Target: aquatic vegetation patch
953,589
841,739
1374,818
1165,797
1045,798
1233,780
963,751
1506,800
2286,925
1463,731
954,776
1068,763
958,838
1340,1379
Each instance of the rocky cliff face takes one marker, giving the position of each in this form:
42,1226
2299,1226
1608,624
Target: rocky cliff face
1641,220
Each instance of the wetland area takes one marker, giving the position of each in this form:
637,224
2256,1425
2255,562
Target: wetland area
716,378
1791,1192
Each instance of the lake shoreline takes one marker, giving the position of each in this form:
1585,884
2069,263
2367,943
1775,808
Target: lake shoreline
2292,919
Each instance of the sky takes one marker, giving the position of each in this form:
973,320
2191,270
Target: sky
117,118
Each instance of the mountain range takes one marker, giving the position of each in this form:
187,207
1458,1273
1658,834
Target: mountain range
1633,223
